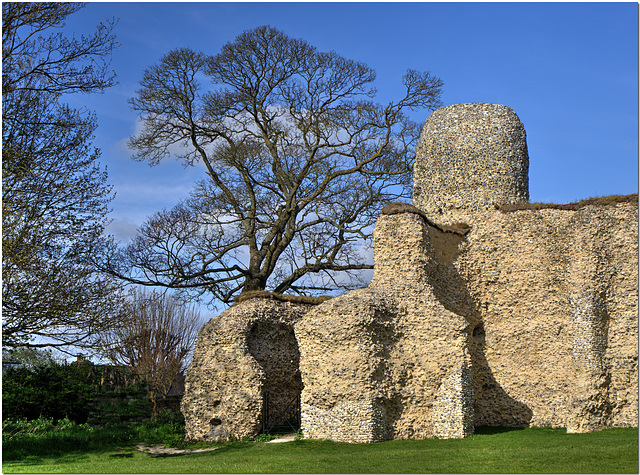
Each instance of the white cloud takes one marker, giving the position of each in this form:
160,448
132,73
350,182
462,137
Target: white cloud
122,230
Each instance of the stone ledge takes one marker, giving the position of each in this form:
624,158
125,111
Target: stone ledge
398,208
265,294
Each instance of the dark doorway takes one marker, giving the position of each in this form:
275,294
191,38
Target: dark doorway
280,415
275,348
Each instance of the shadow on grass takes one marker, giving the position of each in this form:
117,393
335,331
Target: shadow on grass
38,451
78,442
127,455
489,430
35,449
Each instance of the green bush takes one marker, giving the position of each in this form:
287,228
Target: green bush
45,437
265,437
18,428
79,392
51,391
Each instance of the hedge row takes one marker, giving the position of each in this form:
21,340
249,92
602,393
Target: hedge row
79,392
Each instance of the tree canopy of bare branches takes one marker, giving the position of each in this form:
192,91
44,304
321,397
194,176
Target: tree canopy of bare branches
54,193
299,160
155,340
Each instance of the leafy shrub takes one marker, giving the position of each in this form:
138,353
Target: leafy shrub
79,392
46,437
40,426
51,391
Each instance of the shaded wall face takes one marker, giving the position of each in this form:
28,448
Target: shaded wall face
275,349
557,293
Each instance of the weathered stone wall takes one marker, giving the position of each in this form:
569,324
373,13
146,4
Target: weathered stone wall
247,350
525,318
545,304
529,319
557,293
470,157
389,361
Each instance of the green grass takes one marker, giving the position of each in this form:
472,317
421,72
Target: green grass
493,450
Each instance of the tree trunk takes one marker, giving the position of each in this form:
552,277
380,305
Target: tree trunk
254,283
154,409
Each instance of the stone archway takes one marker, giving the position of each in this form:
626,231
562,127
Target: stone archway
275,349
244,352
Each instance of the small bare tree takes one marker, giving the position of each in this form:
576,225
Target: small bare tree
155,341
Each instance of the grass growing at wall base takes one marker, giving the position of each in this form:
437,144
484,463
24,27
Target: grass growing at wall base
491,450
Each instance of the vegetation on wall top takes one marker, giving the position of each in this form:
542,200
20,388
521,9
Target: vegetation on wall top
264,294
598,201
397,208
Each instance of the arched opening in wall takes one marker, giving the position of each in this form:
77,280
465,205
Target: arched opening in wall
479,334
275,348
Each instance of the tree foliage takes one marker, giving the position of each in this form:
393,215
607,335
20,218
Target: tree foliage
79,391
50,390
299,161
155,341
31,357
55,195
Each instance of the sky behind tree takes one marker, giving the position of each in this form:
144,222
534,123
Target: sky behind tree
569,70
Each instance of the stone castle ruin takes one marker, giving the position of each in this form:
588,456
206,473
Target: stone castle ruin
478,313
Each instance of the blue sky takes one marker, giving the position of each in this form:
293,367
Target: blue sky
569,70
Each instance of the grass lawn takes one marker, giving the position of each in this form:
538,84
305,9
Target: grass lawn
492,450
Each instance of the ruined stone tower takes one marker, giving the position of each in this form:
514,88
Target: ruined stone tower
476,314
471,156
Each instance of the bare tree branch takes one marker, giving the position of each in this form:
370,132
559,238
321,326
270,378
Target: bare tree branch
300,160
154,341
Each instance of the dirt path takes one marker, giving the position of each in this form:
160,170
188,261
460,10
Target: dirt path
164,450
283,438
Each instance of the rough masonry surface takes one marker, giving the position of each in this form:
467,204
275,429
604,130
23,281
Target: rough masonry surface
474,316
246,351
471,156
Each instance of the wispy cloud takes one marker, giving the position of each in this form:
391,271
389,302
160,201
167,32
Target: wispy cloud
122,230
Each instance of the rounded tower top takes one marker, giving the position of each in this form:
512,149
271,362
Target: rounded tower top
470,157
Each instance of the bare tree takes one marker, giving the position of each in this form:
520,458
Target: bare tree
55,197
299,161
155,340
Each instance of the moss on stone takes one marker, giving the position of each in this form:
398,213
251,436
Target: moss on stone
265,294
599,201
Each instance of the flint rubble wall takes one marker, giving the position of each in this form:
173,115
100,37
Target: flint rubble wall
556,291
248,349
470,156
525,318
536,309
557,296
389,361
